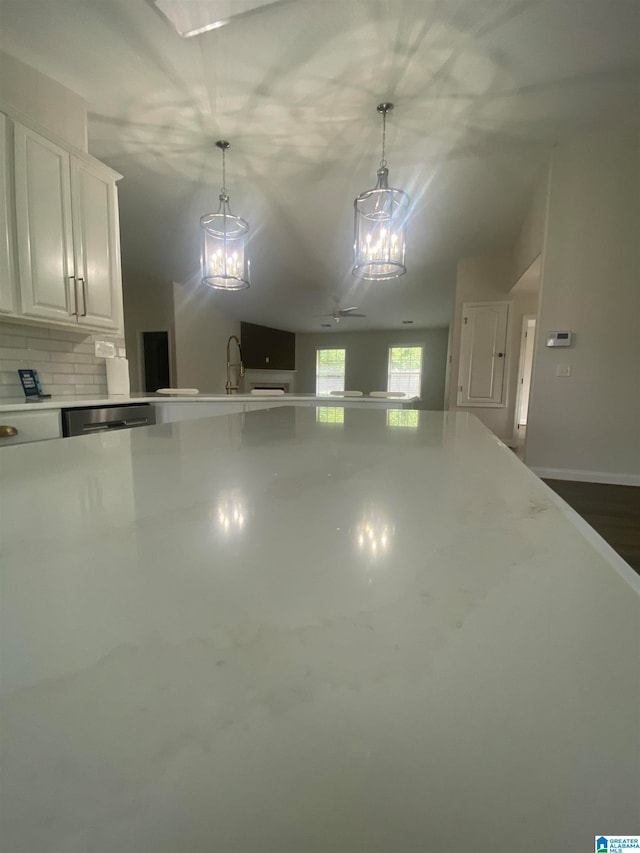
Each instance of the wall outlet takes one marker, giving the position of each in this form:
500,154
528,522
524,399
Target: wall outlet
563,370
105,349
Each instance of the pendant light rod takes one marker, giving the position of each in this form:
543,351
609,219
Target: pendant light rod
384,108
223,145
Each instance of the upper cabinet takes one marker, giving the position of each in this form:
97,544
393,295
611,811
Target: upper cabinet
43,227
94,206
7,276
67,238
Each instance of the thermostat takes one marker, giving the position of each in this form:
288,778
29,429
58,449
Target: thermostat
559,339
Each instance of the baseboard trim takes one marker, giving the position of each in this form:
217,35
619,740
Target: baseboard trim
582,476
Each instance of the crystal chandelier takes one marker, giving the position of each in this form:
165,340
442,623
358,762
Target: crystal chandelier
380,223
225,265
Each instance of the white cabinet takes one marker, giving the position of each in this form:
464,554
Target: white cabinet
31,426
96,244
7,267
67,235
483,354
43,224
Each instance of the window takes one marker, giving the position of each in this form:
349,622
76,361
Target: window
330,370
405,370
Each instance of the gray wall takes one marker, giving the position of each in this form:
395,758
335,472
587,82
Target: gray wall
367,356
587,424
148,307
201,332
40,100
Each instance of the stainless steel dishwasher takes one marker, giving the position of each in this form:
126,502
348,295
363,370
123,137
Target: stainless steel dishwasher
88,419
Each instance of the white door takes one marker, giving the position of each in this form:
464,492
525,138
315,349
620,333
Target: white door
44,227
483,354
7,279
94,207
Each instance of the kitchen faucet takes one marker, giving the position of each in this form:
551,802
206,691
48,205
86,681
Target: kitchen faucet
229,386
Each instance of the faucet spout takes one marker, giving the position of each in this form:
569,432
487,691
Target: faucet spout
229,385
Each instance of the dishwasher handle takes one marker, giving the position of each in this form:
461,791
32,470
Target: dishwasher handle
119,424
134,422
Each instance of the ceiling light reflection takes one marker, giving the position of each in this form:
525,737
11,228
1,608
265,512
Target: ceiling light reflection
374,534
231,513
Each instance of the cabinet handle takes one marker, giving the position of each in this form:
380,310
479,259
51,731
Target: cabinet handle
84,296
500,354
6,431
75,294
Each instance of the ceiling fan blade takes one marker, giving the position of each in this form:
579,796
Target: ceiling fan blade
356,315
347,310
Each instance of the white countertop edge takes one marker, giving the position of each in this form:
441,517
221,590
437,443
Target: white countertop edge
629,575
125,399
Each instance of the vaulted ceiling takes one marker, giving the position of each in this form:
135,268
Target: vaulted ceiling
483,89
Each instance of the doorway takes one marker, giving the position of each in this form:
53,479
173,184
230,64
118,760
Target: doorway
155,350
525,366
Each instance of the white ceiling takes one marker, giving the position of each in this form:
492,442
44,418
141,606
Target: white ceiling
483,89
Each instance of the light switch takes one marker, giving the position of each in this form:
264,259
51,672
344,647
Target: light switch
563,370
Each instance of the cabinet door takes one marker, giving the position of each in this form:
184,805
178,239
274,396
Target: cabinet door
31,426
95,229
483,354
43,225
7,278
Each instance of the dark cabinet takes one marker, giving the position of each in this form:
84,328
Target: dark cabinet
267,349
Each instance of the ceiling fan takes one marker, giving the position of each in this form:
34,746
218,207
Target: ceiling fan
338,313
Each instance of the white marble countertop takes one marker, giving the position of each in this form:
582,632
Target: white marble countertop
19,404
263,633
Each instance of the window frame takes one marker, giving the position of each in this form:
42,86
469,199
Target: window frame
391,347
344,373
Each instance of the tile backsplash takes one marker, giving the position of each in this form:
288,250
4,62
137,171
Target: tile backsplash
64,359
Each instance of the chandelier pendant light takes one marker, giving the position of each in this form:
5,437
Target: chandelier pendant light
225,265
380,223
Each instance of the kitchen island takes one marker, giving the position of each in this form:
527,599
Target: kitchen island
273,632
20,404
42,419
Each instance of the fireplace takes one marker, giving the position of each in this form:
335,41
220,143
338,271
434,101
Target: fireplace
269,380
269,386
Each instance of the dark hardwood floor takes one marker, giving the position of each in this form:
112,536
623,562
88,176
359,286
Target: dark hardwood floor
613,511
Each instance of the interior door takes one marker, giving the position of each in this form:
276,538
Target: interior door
155,346
94,227
483,354
44,227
